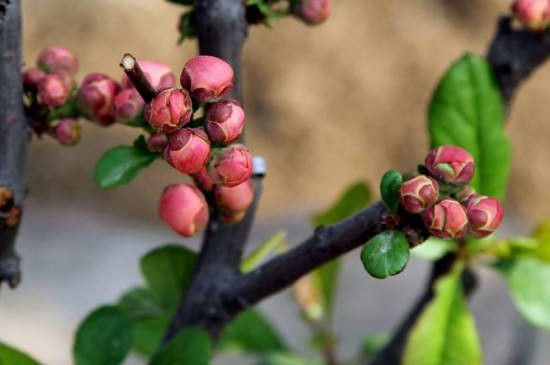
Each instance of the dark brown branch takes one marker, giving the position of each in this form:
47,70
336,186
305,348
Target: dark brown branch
13,139
137,77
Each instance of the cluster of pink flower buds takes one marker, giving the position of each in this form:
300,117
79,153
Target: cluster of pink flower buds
313,12
203,148
450,209
533,14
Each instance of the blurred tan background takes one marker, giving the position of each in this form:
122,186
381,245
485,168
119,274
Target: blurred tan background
326,106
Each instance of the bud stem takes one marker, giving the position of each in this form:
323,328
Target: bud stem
135,74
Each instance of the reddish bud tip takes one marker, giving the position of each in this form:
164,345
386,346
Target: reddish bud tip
451,164
233,202
96,98
203,180
231,166
464,195
188,150
224,121
418,193
157,142
534,14
53,91
208,78
128,104
184,208
67,132
32,77
485,214
158,74
55,58
446,219
313,11
169,110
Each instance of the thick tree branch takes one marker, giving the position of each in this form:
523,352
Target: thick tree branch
13,139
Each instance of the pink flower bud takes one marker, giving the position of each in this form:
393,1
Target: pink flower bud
203,180
96,98
231,166
208,78
52,90
234,201
169,110
188,150
224,121
67,132
157,142
55,58
313,11
418,193
66,77
158,74
485,214
464,195
534,14
184,209
451,164
128,104
446,219
32,77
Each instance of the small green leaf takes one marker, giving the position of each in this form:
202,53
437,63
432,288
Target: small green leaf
190,347
467,111
529,283
251,332
287,358
542,235
273,244
167,271
433,248
373,343
11,356
139,303
187,26
103,338
148,334
385,254
445,332
389,188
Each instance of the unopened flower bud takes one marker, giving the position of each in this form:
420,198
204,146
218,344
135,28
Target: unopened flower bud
32,77
184,208
451,164
96,98
233,202
446,219
52,90
188,150
418,193
67,132
55,58
157,142
203,180
464,195
208,78
231,166
224,121
158,74
534,14
128,104
485,214
66,77
169,110
313,11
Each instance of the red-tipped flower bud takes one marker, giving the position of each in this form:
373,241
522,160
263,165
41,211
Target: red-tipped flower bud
188,150
184,209
446,219
231,166
32,77
55,58
158,74
485,214
464,195
235,201
67,132
534,14
128,104
157,142
203,180
208,78
169,110
313,11
451,164
418,193
224,121
96,98
53,91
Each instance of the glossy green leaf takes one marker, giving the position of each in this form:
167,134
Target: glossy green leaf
187,26
275,244
467,111
103,338
287,359
139,303
389,188
445,332
385,254
167,271
251,332
11,356
433,248
148,333
190,347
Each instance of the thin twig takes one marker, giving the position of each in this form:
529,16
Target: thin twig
131,67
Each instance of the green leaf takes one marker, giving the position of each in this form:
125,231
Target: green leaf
286,359
120,165
445,332
11,356
389,187
187,26
167,271
542,235
467,111
385,254
529,283
373,343
251,332
139,303
190,347
103,338
275,243
148,334
433,248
